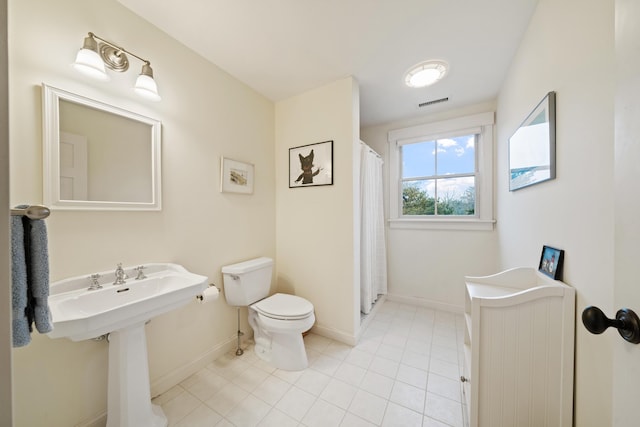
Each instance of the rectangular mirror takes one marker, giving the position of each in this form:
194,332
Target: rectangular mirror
98,156
532,148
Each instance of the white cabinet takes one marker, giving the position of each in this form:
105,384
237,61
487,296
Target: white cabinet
518,350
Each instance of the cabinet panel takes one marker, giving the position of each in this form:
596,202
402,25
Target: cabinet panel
520,350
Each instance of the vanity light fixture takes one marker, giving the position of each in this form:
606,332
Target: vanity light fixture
426,73
93,57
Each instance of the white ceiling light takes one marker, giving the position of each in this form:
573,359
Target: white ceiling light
426,73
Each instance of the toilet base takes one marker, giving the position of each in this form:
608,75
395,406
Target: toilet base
283,350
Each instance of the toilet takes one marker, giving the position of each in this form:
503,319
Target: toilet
278,321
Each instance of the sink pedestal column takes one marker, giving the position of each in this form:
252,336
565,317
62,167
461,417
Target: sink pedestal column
129,397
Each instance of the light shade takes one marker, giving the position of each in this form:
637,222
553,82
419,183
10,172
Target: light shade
88,60
145,84
426,73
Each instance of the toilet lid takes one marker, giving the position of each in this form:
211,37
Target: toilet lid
284,306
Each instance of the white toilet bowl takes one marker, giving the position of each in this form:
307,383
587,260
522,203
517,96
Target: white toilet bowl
278,323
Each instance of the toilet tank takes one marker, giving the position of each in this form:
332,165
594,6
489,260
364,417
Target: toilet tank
247,282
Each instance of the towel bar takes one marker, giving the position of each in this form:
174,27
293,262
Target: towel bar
32,212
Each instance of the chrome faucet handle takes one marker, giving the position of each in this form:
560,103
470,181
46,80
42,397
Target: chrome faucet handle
120,275
94,282
141,274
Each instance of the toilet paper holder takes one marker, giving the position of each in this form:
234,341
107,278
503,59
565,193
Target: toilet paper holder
211,285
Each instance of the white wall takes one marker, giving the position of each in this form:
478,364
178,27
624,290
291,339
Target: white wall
6,409
626,374
428,266
205,114
315,226
569,48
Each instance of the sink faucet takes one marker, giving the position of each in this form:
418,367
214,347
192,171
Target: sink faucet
120,275
94,282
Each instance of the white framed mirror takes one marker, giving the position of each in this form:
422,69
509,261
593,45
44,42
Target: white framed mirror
98,156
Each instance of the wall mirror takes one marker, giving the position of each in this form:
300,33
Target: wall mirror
98,156
532,148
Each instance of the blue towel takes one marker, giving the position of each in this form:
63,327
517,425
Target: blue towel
30,278
38,275
19,300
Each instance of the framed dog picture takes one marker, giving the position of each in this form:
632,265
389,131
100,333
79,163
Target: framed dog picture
551,262
311,165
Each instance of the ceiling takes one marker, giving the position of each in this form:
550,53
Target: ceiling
282,48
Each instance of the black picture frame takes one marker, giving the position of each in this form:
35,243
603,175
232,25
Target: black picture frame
311,165
551,261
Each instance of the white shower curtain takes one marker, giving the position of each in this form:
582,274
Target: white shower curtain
373,252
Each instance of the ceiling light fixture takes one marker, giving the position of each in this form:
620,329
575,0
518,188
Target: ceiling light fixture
93,57
426,73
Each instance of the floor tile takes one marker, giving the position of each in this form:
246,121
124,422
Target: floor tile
296,402
368,406
180,406
326,364
399,416
276,418
350,374
227,398
272,389
339,393
202,416
351,420
249,412
408,396
413,376
444,387
377,384
386,367
323,414
403,372
312,381
443,409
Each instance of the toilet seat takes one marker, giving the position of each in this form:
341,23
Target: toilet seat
284,307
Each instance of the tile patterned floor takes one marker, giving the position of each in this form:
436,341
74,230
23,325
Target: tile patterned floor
404,372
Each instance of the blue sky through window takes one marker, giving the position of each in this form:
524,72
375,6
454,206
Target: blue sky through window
444,170
454,156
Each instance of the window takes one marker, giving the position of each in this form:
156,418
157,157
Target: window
441,174
439,177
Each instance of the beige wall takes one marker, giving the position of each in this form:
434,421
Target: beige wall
205,114
428,266
315,225
573,54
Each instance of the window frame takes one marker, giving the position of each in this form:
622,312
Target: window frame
481,124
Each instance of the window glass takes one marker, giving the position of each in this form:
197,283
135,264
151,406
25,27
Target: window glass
457,155
419,160
438,177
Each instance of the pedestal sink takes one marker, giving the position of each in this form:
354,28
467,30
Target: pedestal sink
122,311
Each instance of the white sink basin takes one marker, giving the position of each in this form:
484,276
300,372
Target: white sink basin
122,310
79,313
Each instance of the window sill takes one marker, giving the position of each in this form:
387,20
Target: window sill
471,224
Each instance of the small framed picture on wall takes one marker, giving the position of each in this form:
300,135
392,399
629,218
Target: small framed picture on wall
236,177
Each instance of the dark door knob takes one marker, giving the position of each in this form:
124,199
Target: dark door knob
626,322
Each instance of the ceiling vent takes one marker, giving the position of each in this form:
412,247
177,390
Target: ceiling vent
435,101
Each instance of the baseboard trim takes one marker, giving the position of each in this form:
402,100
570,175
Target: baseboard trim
422,302
334,334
